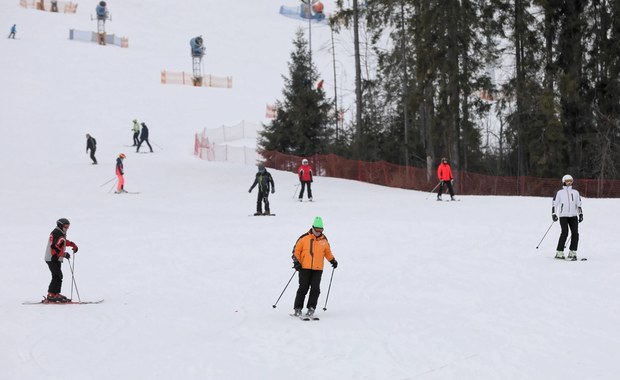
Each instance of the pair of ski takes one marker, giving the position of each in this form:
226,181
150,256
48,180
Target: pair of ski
44,301
304,317
262,215
567,259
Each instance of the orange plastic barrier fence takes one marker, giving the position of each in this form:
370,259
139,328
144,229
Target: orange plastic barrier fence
465,183
63,6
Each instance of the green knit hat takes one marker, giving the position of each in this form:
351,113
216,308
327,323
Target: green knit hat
318,222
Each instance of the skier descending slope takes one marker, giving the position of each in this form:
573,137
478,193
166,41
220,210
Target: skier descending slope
567,205
310,250
264,181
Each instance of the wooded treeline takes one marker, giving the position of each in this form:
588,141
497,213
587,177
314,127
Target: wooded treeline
547,72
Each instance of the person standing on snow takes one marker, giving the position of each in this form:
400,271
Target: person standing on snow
265,182
308,254
136,132
91,144
13,31
444,174
305,177
120,172
567,206
144,136
54,255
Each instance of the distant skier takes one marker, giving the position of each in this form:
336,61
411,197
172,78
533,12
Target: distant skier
54,255
120,172
308,254
13,31
567,205
54,5
136,132
265,182
144,137
91,144
305,178
444,174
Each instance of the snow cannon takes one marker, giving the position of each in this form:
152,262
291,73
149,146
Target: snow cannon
102,11
198,49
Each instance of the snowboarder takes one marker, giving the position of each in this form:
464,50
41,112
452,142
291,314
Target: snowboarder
120,172
264,180
91,144
308,254
13,31
305,178
144,137
136,132
54,255
444,174
567,208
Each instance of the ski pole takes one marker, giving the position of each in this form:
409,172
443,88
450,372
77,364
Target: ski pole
568,241
295,192
112,188
73,282
289,281
328,289
157,145
543,238
103,184
432,191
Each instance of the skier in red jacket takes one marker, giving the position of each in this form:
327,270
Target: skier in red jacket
305,177
54,255
444,174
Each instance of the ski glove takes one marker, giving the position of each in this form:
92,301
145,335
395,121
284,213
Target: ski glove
580,218
273,191
554,217
334,263
296,265
67,255
73,246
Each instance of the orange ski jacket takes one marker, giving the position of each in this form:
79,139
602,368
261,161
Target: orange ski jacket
311,251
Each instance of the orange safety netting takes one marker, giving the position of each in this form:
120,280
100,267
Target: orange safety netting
465,183
63,6
183,78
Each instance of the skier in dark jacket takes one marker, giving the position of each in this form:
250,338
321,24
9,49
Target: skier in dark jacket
54,255
91,144
144,137
265,182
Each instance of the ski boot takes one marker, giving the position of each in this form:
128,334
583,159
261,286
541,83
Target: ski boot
572,256
297,313
310,312
439,198
267,212
257,213
452,198
56,297
559,255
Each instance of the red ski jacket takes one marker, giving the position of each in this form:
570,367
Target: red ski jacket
305,173
444,173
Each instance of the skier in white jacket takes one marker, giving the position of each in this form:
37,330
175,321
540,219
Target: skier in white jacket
567,207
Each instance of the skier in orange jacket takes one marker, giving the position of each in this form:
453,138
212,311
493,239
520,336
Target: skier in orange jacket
310,250
444,174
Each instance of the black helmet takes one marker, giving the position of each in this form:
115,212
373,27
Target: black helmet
261,168
62,222
102,3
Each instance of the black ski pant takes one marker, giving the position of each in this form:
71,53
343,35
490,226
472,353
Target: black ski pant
263,197
147,143
136,141
308,279
566,223
301,192
56,283
92,156
450,189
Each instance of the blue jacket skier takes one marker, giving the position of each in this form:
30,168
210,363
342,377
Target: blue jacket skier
13,31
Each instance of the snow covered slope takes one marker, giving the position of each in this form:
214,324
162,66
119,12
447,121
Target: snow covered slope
424,290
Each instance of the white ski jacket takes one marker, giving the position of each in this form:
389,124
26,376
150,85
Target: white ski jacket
566,203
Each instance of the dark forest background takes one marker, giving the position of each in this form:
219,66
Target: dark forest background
430,88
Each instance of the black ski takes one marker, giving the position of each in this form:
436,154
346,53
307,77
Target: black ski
262,215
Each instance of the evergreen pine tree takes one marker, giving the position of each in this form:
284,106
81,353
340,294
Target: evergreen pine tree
301,126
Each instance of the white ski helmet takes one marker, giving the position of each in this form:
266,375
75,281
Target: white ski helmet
567,177
304,162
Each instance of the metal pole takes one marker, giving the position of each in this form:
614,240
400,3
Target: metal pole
543,238
289,281
328,289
